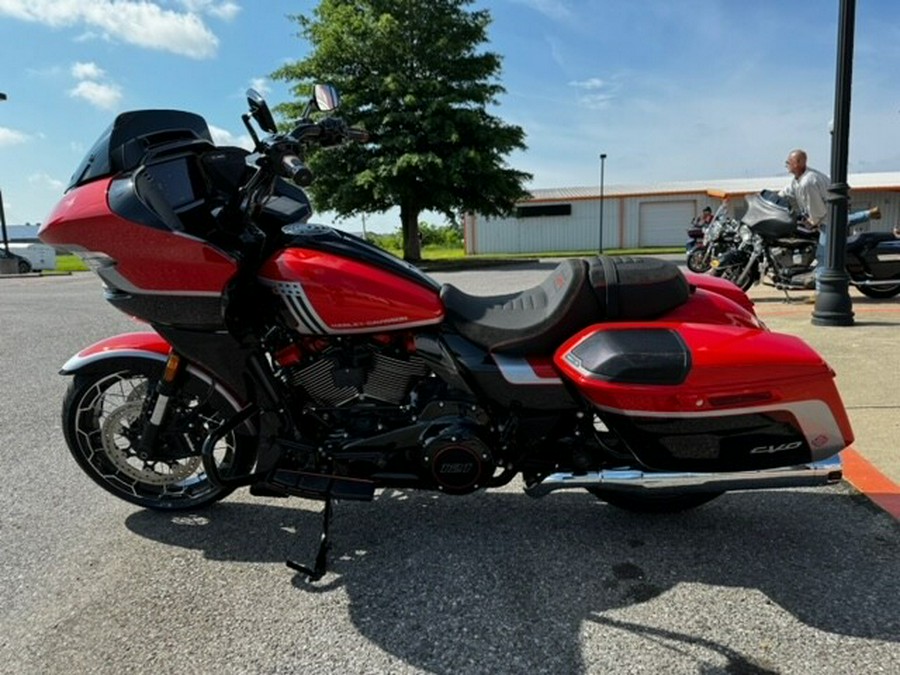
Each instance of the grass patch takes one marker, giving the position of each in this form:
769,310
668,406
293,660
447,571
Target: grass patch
69,262
438,254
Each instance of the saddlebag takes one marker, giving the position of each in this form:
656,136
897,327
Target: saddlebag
695,397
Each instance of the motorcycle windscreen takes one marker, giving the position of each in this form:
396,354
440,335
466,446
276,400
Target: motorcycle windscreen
693,397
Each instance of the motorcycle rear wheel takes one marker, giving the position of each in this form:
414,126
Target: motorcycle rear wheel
102,419
654,503
879,292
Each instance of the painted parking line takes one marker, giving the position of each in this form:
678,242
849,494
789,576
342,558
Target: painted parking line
863,475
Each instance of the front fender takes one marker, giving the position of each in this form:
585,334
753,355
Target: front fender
145,344
142,345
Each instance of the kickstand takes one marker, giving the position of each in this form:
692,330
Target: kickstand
321,566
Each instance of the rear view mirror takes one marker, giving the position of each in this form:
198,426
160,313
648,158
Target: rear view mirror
260,111
326,98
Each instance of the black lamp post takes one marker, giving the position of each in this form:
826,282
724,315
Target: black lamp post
602,166
833,305
2,214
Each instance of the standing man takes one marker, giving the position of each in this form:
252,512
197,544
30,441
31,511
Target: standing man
809,191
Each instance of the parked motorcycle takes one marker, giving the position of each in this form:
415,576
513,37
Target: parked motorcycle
774,250
296,359
718,237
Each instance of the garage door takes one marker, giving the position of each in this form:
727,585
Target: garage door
664,223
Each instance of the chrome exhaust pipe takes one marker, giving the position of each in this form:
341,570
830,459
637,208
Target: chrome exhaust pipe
814,474
875,283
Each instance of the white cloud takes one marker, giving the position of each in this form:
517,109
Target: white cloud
11,137
598,93
106,96
224,137
555,9
87,71
138,22
261,84
46,181
221,10
592,83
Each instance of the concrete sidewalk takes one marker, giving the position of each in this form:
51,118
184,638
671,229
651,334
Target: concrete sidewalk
866,358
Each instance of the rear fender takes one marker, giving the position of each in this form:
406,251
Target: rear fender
710,306
721,286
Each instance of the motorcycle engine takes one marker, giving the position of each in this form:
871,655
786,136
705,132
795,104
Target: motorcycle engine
341,374
792,260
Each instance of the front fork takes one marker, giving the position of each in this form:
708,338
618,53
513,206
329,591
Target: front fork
165,389
747,273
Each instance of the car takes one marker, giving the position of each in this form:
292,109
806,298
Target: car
23,266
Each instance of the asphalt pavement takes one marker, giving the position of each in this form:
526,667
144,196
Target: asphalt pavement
774,581
866,360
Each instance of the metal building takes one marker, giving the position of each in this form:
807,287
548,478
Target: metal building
568,219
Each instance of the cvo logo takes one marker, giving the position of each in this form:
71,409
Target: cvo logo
772,449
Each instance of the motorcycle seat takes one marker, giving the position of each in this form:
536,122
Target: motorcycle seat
576,294
533,321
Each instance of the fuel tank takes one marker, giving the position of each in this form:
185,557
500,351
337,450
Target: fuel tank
334,284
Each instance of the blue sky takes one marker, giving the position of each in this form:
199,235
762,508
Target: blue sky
669,89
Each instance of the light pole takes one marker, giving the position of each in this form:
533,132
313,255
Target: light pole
833,304
3,215
602,167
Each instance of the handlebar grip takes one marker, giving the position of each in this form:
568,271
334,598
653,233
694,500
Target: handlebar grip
296,170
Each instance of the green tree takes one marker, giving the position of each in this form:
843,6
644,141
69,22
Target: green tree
410,74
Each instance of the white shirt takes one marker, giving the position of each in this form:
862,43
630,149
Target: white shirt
810,193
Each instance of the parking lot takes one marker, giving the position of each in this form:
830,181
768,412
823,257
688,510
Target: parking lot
794,581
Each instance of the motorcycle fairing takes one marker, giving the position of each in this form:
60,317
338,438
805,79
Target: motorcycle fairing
769,216
709,398
183,287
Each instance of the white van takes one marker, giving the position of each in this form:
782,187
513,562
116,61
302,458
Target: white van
41,256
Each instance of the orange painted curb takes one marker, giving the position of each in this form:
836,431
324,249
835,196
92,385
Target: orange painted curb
871,482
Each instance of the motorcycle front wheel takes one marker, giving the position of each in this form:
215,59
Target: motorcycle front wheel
103,418
698,260
654,503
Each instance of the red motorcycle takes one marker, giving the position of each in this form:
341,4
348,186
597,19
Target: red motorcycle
296,359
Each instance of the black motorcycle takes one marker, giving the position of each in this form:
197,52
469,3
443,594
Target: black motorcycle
710,241
773,249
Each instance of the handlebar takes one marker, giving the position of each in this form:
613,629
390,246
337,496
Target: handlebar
296,170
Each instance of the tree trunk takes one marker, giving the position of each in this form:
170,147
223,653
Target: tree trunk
412,245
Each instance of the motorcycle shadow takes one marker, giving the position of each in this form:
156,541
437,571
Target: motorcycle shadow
503,581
